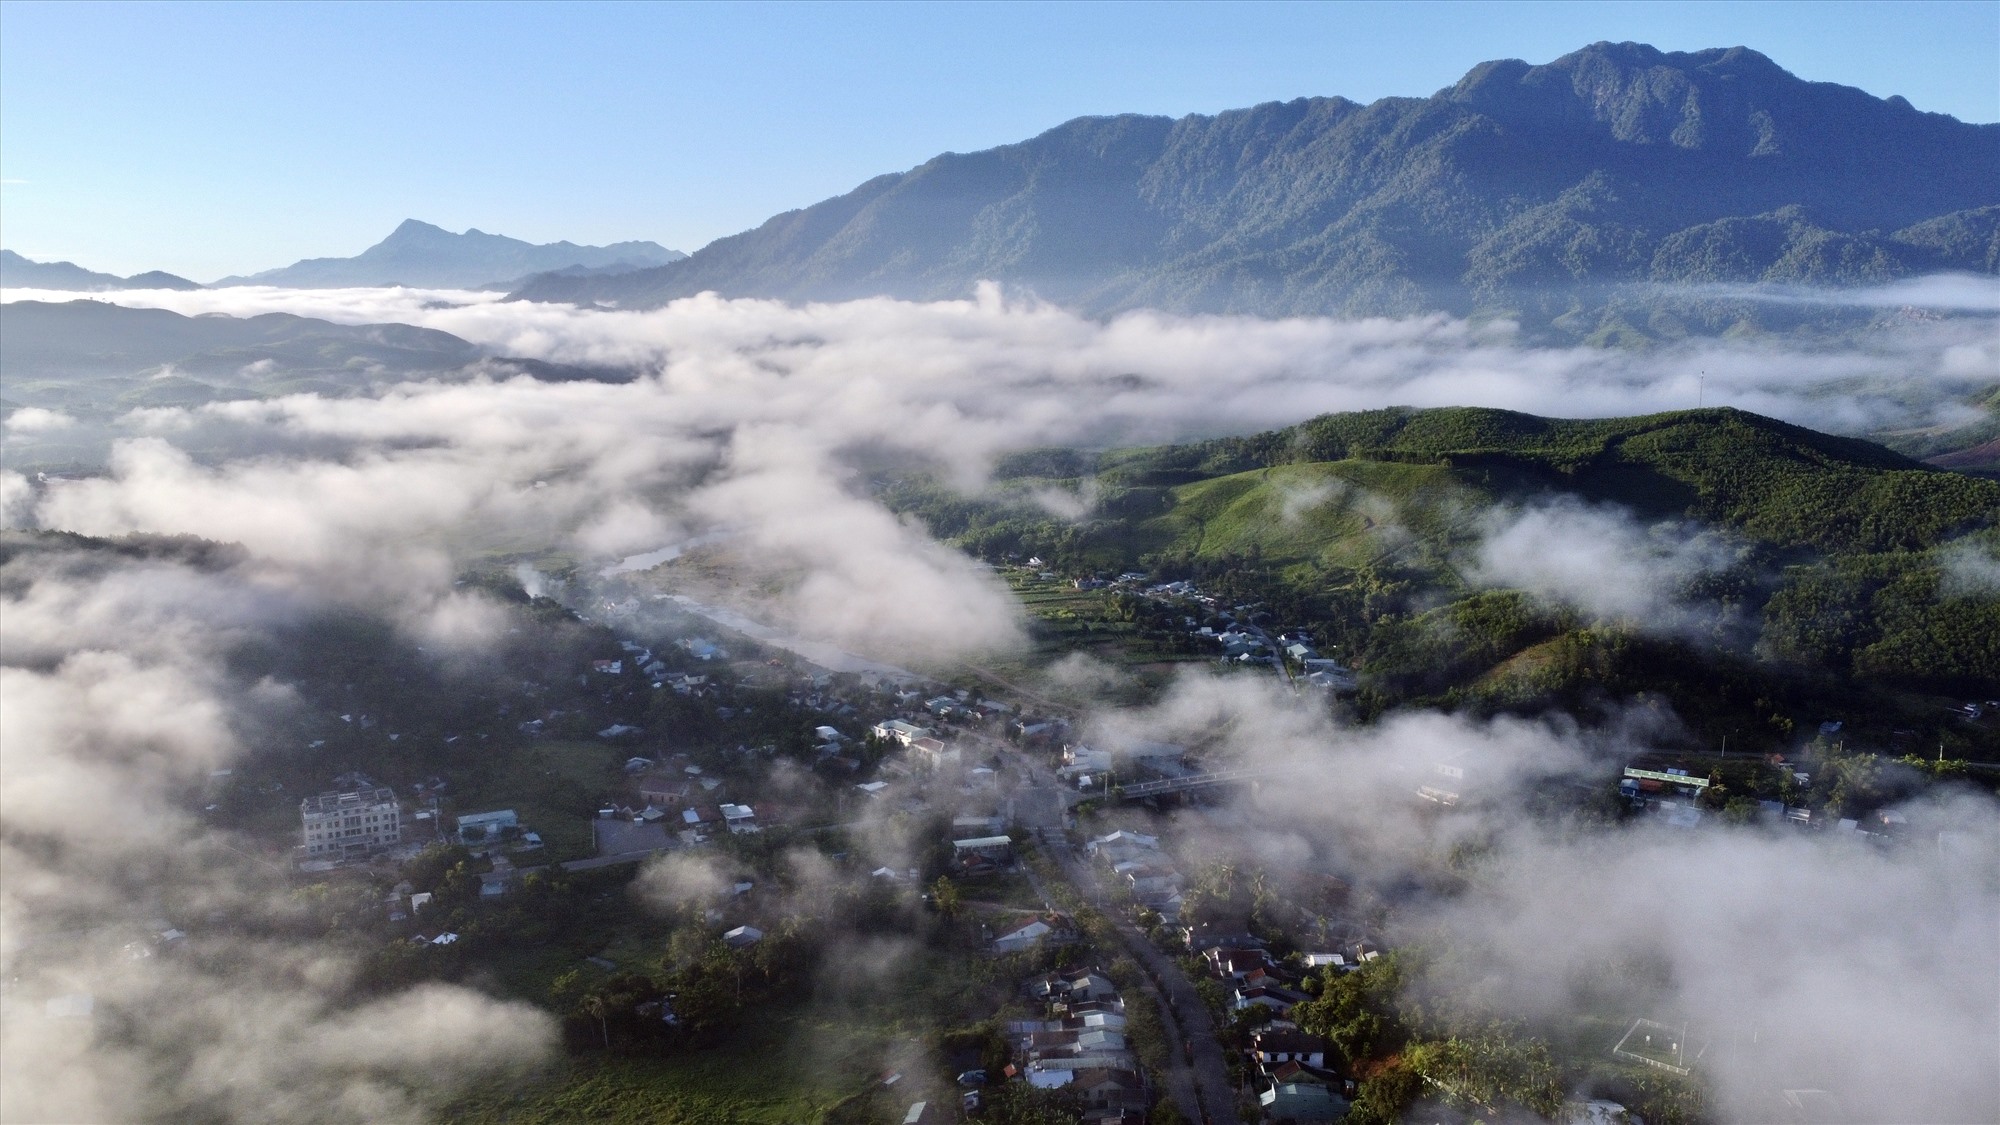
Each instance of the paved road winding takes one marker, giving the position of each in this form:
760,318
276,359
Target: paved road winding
1202,1090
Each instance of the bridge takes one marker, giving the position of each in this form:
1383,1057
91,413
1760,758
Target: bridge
1161,788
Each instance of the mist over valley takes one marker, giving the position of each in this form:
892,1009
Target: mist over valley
1478,608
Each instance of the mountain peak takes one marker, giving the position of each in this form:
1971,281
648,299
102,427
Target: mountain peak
1523,189
415,232
424,254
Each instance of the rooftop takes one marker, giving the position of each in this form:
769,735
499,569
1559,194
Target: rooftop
335,802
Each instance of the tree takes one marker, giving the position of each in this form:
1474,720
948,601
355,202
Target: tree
1357,1010
1383,1098
944,895
1017,1103
1490,1068
566,989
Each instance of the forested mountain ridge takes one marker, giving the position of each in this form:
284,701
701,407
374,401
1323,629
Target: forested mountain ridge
1530,190
17,272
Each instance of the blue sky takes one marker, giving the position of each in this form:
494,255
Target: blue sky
212,139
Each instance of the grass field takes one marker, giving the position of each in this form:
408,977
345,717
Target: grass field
552,784
790,1066
778,1073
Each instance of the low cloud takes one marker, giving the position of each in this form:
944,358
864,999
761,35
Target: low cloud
1801,960
755,422
1951,292
35,420
1971,568
116,704
1601,560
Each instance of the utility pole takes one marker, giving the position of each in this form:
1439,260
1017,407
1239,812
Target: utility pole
1701,391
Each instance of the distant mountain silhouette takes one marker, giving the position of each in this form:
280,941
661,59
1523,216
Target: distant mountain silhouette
17,272
1546,192
419,254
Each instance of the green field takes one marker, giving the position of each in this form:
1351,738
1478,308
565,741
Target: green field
552,785
782,1072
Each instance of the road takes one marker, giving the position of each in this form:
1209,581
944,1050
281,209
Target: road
1201,1090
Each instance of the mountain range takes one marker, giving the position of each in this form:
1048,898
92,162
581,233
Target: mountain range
17,272
1552,193
419,254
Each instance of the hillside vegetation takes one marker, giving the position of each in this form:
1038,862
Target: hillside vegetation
1832,589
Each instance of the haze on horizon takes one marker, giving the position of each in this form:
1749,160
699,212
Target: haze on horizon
264,549
227,140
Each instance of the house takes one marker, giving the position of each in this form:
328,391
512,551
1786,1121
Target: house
1275,1045
742,936
1036,730
1230,933
1027,934
1084,759
474,828
1068,1066
1099,1041
1234,964
1292,1072
1059,1043
1105,1088
933,753
1122,839
1152,881
1274,997
1074,986
1302,1101
991,849
899,732
739,818
662,789
608,667
1147,753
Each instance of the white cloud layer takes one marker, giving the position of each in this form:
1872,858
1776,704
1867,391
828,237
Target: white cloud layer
1603,561
1804,960
749,418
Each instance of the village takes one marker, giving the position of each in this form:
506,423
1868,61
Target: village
1124,971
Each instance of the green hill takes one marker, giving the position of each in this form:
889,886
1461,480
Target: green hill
1362,528
1774,482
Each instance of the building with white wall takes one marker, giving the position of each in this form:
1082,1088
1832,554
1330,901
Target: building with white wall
338,825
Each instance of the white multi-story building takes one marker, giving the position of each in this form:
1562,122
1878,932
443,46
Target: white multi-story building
346,824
